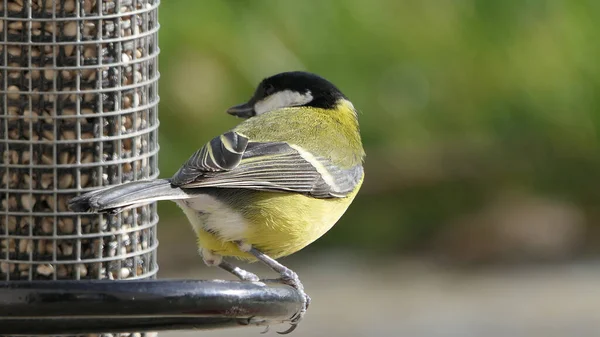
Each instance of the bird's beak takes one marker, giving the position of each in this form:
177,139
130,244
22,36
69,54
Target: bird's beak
244,110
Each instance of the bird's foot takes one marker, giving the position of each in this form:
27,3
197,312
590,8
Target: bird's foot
288,277
212,259
295,283
246,275
242,274
291,279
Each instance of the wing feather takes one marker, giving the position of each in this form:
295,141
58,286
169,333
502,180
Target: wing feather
232,161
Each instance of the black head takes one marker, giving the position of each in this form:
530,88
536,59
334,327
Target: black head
294,88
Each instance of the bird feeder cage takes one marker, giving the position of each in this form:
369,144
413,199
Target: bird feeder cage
78,102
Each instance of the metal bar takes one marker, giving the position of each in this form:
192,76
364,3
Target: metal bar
87,306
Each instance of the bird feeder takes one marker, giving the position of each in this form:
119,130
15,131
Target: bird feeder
78,101
79,85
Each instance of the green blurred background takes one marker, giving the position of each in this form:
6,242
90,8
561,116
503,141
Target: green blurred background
464,104
480,120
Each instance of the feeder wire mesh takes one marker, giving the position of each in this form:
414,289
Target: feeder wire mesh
78,96
78,111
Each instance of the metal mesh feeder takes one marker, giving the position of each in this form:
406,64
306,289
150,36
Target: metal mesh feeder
78,111
79,96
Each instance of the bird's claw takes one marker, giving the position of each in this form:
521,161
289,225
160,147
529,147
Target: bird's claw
296,318
293,281
287,277
292,328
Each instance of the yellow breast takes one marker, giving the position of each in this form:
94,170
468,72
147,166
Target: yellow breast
278,224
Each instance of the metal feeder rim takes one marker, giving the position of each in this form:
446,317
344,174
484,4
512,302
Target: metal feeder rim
112,306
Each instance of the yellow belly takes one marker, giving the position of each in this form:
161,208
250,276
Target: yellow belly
278,224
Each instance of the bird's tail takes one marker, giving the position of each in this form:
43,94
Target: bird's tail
132,194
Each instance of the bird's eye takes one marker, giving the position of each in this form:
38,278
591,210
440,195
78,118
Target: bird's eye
269,89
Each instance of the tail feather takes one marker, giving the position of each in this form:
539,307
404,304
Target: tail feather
128,195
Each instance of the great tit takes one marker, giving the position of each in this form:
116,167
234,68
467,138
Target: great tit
268,187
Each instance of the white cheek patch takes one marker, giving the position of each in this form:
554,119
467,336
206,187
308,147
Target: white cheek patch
282,99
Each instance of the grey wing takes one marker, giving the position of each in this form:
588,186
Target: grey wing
222,153
266,166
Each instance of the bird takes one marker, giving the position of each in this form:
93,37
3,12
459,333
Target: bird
268,187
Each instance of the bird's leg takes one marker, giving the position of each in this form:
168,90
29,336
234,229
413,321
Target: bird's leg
239,272
211,259
288,277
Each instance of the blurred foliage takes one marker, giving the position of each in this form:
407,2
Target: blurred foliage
459,100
